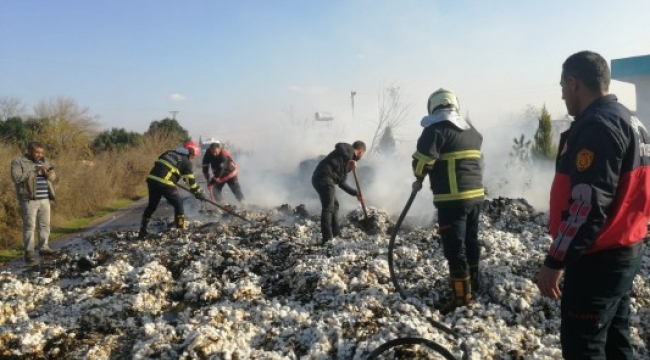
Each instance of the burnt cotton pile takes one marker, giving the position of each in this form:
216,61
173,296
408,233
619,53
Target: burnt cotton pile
227,289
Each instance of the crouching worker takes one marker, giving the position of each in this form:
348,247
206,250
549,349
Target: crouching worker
449,151
169,169
333,170
224,171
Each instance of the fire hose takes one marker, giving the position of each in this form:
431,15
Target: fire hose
414,340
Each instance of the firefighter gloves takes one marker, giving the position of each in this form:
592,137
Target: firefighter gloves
199,194
417,185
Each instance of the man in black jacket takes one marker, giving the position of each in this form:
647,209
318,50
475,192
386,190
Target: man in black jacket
599,210
169,169
224,171
449,151
332,170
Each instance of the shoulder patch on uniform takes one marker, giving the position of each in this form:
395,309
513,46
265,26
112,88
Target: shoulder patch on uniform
584,159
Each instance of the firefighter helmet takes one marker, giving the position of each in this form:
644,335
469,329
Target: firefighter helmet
192,147
442,97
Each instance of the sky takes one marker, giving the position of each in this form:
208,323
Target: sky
255,72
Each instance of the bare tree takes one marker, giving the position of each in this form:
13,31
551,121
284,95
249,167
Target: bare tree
11,107
64,125
392,113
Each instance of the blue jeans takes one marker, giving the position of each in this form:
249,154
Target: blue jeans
35,214
596,305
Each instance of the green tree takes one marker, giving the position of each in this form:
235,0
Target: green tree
13,129
169,126
544,148
115,139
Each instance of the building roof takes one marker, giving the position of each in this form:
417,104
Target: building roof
629,68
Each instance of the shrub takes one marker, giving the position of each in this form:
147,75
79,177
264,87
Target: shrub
83,187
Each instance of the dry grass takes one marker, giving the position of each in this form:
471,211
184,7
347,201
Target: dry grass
83,188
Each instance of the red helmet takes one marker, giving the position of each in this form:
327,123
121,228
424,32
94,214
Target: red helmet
192,147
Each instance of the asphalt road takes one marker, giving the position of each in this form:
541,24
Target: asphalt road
126,219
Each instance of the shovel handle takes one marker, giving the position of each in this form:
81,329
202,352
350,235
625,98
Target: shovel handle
217,205
356,181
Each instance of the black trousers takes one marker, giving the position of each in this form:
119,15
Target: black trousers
158,191
458,228
233,184
329,223
596,305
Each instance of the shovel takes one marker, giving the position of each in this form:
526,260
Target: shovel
363,205
217,205
368,224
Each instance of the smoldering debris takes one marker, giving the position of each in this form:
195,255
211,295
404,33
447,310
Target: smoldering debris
268,290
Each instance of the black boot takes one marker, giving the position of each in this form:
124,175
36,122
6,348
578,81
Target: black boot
143,228
461,294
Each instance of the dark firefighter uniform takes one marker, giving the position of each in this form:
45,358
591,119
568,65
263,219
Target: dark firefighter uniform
599,211
169,169
224,171
451,156
331,171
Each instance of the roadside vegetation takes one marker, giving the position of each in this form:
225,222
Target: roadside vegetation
98,172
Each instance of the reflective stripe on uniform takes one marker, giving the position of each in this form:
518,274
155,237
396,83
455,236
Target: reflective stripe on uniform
454,194
463,195
161,180
172,170
187,179
422,161
462,154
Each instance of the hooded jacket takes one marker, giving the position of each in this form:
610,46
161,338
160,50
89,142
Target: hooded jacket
24,174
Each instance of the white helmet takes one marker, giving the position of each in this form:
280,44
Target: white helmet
442,97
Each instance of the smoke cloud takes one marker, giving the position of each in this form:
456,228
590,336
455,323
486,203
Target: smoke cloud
276,166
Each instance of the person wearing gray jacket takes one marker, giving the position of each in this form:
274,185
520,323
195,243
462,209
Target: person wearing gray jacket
33,176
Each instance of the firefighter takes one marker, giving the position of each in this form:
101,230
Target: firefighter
169,169
224,171
449,151
330,171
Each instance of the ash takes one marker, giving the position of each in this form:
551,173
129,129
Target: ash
228,289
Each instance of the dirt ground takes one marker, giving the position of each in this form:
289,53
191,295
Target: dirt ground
124,219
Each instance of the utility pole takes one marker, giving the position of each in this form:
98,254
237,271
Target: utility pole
174,112
352,93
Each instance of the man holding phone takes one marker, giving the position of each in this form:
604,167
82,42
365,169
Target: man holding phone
33,176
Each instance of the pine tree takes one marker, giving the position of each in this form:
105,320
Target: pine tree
544,148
